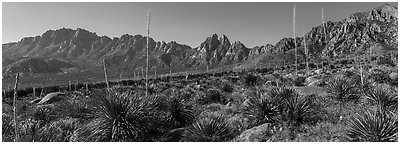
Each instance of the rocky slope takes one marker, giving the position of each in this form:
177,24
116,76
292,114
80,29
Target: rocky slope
366,32
359,33
37,65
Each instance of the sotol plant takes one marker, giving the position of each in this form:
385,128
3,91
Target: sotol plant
180,113
119,117
294,108
210,128
342,89
7,128
261,108
282,104
373,126
57,131
381,96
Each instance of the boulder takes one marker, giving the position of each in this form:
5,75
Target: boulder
52,98
259,133
312,79
35,100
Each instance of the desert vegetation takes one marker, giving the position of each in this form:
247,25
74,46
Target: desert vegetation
255,105
333,92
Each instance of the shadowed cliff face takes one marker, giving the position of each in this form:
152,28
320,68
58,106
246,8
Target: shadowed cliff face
37,65
374,31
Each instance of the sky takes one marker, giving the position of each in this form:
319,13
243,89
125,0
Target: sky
254,24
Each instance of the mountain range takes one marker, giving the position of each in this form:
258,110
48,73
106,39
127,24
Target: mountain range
68,50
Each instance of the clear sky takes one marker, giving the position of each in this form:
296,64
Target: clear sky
253,24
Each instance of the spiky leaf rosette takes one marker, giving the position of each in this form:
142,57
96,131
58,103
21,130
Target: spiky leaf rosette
77,107
119,117
298,111
260,108
181,114
294,108
210,128
7,128
57,131
342,89
382,96
283,93
373,126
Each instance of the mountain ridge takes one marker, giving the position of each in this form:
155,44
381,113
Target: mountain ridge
357,33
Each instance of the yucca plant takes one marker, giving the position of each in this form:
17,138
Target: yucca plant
77,107
181,114
7,128
261,108
298,111
373,126
342,89
283,93
28,129
44,114
294,108
119,117
210,128
57,131
381,96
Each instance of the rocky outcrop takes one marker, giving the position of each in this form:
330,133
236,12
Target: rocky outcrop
36,65
259,133
268,48
218,51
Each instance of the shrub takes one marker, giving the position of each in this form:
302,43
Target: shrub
279,105
261,108
386,60
238,124
235,98
318,107
213,107
250,80
379,76
299,81
322,132
119,117
185,95
294,109
57,131
210,128
297,111
342,89
28,129
44,114
7,128
373,126
181,114
212,96
381,96
76,107
227,87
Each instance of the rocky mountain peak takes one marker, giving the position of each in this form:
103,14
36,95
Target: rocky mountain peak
224,40
81,33
385,13
386,8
